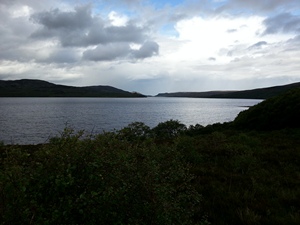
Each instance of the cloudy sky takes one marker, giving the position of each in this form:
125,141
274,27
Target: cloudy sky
152,46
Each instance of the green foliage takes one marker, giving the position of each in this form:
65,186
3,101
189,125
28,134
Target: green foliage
275,113
246,178
99,180
136,131
168,130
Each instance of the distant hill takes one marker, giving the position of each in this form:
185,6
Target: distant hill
40,88
260,93
281,111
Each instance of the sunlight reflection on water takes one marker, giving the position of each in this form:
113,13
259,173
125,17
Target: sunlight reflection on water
34,120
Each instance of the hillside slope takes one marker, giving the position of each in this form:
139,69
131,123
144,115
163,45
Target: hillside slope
39,88
259,93
278,112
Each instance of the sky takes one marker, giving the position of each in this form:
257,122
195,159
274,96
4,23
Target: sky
152,46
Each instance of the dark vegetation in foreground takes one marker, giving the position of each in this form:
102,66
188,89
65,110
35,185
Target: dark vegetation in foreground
232,173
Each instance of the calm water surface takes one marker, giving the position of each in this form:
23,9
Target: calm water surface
35,120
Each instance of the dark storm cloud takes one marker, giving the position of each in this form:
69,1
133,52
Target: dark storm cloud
107,52
129,33
148,49
68,27
282,23
63,36
55,19
80,29
62,56
120,51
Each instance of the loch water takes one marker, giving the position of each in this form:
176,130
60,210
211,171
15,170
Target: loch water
35,120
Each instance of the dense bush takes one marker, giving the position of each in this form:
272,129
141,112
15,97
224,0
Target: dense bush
275,113
104,180
168,130
136,131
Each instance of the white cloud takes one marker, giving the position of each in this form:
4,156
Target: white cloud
23,11
117,19
206,37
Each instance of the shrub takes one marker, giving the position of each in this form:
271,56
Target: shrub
168,130
104,180
136,131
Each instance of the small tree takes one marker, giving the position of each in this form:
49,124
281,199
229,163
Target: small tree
168,130
135,131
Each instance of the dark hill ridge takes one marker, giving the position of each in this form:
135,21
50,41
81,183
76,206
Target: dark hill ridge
40,88
281,111
260,93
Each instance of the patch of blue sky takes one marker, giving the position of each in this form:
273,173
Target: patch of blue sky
295,11
103,9
168,30
99,7
217,3
216,6
164,3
